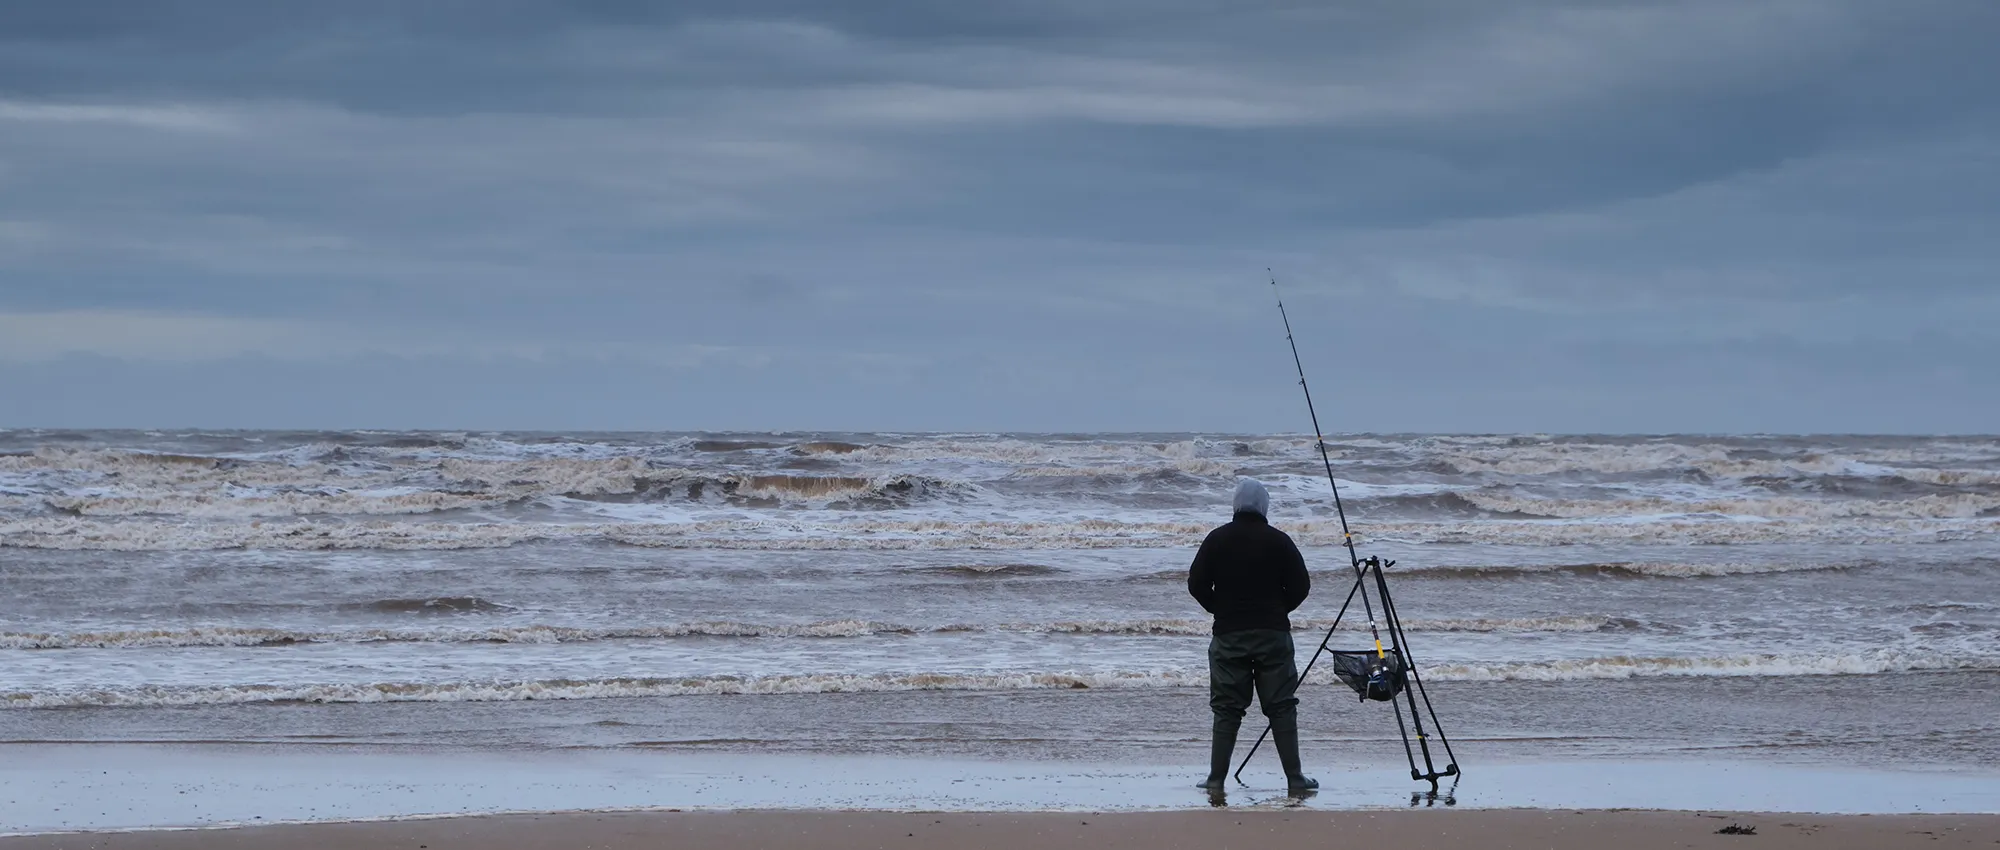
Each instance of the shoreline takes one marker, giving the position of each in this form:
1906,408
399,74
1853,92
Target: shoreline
99,788
1556,829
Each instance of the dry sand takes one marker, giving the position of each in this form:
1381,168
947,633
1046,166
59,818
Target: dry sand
1212,829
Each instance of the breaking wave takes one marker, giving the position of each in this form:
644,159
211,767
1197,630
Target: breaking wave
777,533
992,570
1615,569
1195,467
528,634
115,483
434,605
1633,569
1029,452
1613,667
1404,483
545,634
1629,667
1953,506
829,447
571,689
387,490
779,489
1522,457
225,506
732,445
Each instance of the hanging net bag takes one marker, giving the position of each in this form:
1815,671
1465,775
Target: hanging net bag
1379,676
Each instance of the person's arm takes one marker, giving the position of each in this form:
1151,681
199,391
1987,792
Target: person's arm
1201,575
1298,583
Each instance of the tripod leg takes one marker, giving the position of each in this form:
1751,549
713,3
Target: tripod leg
1409,695
1417,685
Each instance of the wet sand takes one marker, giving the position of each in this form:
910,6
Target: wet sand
1220,828
101,788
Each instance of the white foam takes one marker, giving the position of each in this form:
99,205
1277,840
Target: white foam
1314,487
223,636
568,689
1681,570
120,484
1203,626
1663,569
1611,667
557,475
809,532
1716,460
1946,477
1617,458
1195,467
1584,623
1196,456
1628,667
936,492
225,506
1952,506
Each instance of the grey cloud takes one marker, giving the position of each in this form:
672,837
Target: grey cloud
1051,196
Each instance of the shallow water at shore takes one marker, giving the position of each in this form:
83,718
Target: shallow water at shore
1932,721
110,787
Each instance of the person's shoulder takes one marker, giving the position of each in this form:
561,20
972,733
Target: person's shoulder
1277,534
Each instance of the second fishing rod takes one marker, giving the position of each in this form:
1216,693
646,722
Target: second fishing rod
1390,669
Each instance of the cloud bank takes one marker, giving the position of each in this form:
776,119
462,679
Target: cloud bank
1550,216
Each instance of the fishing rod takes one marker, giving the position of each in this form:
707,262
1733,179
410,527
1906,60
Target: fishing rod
1392,666
1319,439
1346,535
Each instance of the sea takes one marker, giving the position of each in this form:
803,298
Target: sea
1817,600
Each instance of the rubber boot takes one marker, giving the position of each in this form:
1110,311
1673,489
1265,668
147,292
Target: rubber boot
1221,750
1285,734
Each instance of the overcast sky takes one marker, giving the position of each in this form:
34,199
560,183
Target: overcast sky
1001,215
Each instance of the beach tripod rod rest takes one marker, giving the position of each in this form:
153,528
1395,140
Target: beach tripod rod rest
1381,674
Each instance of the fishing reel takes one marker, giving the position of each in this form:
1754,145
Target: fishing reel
1385,669
1384,681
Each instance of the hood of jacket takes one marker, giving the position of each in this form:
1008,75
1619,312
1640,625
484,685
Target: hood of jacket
1251,497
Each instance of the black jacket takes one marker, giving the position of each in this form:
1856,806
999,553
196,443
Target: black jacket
1249,575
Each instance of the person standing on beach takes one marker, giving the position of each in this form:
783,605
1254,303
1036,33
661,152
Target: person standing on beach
1251,577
